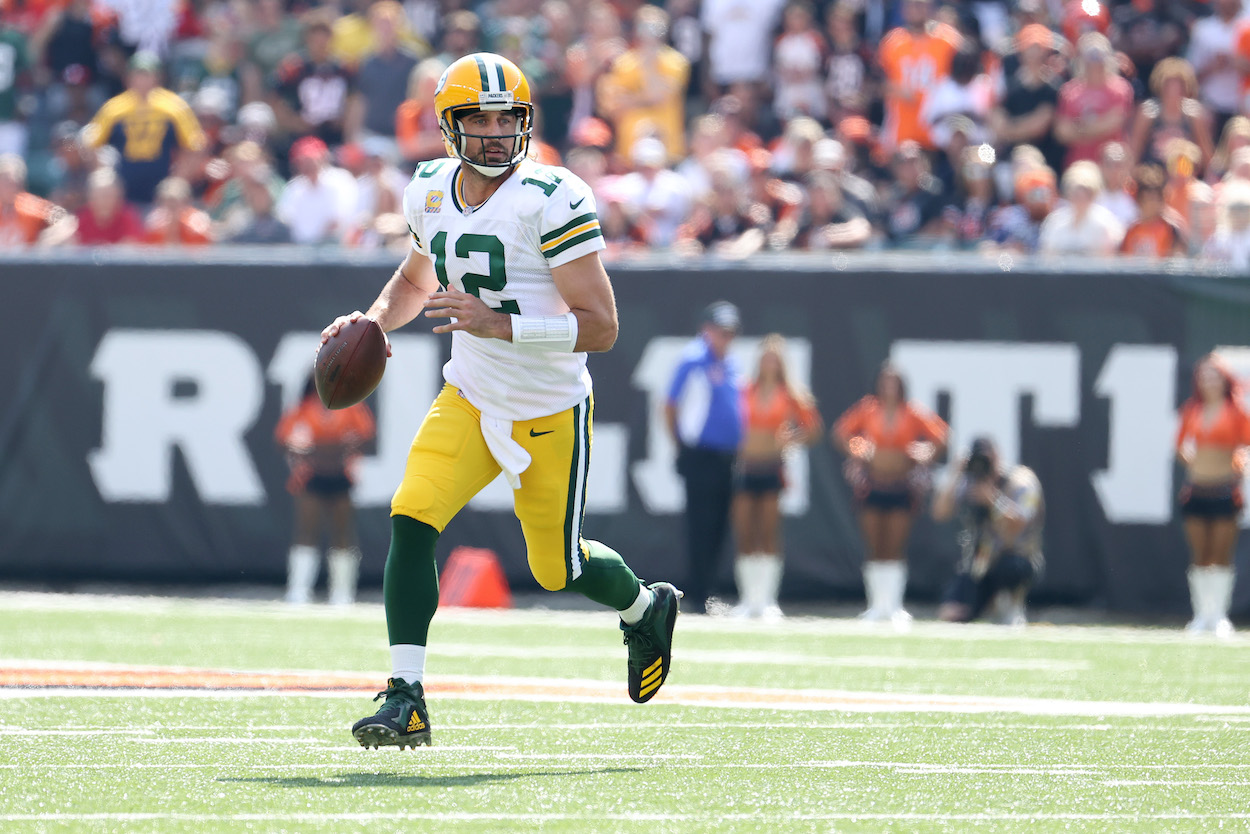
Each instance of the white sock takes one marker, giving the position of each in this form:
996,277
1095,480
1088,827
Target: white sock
892,582
634,613
770,578
1196,589
746,577
302,564
1220,579
408,662
344,567
872,585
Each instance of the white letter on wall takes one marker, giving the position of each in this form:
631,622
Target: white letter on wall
145,418
986,380
1136,486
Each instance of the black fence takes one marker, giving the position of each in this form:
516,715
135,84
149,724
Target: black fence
140,400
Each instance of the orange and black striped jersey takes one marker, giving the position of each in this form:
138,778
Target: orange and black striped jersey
913,64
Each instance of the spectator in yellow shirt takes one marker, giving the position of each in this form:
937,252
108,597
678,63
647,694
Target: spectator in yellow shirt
354,38
147,124
644,92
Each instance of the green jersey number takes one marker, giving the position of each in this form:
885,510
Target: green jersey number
545,180
473,282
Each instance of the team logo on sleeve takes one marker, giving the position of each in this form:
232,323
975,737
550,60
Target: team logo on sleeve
433,202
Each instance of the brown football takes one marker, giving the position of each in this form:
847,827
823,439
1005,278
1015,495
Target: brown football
350,365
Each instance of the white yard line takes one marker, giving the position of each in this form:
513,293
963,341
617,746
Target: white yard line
391,816
822,626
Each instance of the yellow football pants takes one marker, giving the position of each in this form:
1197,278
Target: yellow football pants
449,463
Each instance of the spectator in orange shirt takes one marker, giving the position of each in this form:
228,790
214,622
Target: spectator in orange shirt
644,92
24,218
416,124
322,447
1157,232
779,414
914,58
175,221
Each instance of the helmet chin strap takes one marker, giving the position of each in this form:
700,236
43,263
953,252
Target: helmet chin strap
491,171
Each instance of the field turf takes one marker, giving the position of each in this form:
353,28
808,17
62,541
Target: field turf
163,715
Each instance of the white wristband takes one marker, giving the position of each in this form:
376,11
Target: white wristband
558,333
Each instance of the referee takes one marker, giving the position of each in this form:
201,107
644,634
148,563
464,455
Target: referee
704,415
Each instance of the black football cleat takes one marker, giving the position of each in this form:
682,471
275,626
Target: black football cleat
650,643
401,722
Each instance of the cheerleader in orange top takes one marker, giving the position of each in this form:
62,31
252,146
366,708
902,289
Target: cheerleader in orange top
778,414
1211,443
322,445
889,444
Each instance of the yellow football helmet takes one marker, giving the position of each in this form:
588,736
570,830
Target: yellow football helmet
483,81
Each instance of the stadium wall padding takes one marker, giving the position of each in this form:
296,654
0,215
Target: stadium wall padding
136,433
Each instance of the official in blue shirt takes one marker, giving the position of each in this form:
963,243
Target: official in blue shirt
704,415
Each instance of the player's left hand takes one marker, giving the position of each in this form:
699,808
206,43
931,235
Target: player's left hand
470,313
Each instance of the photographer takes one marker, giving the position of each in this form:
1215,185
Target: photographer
1002,514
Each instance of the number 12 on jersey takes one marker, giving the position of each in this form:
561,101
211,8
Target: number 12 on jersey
474,282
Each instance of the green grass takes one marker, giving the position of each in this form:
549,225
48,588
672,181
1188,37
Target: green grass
237,762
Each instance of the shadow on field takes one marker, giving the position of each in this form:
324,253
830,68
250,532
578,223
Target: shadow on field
408,780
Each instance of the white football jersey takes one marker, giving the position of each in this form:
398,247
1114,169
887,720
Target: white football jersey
503,252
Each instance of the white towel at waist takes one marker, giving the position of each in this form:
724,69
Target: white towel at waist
510,455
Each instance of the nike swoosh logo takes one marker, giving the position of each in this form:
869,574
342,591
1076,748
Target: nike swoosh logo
541,433
578,203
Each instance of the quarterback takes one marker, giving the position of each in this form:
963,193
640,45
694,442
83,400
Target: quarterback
505,252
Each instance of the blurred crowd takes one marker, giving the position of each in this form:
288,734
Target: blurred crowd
729,126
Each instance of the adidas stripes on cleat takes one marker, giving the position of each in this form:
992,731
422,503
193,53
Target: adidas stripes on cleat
401,722
650,643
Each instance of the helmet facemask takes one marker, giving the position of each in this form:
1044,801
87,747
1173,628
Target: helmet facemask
457,137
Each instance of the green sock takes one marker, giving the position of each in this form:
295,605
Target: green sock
410,582
606,579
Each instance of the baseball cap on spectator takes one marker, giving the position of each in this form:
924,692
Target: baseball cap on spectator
1035,34
143,61
257,115
1094,46
350,156
648,152
212,102
760,160
309,146
723,314
1036,185
855,129
828,154
591,131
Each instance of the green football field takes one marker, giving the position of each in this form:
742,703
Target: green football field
161,715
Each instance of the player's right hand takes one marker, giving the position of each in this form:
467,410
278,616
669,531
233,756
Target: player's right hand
333,328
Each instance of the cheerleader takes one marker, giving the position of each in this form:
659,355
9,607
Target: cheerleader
1211,443
889,443
779,414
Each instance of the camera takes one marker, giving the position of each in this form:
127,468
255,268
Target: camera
979,466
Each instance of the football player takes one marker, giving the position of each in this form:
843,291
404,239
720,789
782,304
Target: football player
505,253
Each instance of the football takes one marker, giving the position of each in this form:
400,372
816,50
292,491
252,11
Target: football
350,365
